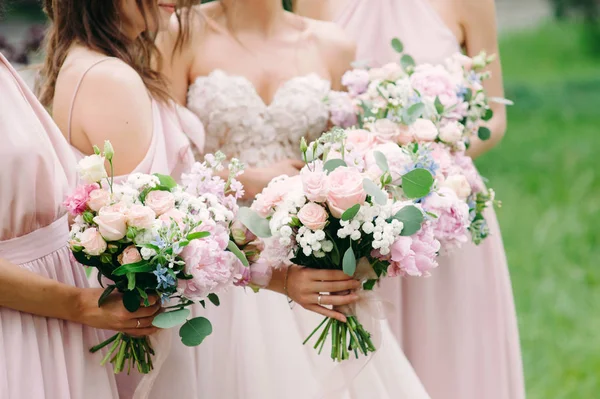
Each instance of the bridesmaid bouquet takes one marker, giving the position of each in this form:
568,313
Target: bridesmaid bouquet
335,215
147,236
432,112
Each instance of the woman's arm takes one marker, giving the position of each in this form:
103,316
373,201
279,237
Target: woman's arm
478,21
28,292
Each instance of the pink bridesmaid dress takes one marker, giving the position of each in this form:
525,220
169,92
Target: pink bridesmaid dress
40,358
459,327
175,365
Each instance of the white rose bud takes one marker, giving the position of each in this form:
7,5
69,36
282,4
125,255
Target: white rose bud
109,152
91,169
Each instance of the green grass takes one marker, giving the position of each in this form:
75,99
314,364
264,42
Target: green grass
546,172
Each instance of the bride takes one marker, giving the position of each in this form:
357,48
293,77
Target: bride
256,76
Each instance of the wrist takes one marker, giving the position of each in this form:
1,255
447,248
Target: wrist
79,305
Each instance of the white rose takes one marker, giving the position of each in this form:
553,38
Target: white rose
459,184
424,130
451,132
91,169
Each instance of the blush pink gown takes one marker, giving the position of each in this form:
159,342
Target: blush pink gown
175,365
459,327
40,358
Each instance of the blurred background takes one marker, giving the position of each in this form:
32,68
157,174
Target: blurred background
546,172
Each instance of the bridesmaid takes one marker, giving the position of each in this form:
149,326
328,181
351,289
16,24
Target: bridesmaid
48,313
459,327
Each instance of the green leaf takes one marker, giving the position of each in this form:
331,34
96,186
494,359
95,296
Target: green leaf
350,212
107,291
214,299
333,164
381,161
371,188
489,114
411,217
417,183
369,284
349,262
256,224
197,235
144,296
397,45
139,267
413,113
233,248
439,107
407,62
131,301
166,181
468,95
171,319
194,331
484,133
130,281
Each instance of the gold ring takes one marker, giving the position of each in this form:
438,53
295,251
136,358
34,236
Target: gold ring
319,299
138,324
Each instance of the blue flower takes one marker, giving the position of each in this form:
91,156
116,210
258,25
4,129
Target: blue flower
164,298
164,279
159,242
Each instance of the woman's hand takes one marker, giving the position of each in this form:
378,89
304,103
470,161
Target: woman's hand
256,179
305,285
112,315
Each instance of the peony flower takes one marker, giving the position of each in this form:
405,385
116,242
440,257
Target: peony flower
314,182
356,80
313,216
92,242
76,203
98,199
451,132
129,255
459,184
91,169
423,130
452,222
112,222
274,194
345,190
261,273
141,217
467,168
415,255
160,201
360,139
435,81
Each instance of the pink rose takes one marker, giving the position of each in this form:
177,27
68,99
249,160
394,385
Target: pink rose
345,190
129,255
415,255
314,182
452,222
423,130
458,184
240,233
160,201
392,71
141,217
173,215
356,80
92,242
435,81
360,139
76,203
387,131
451,132
398,160
112,223
98,199
313,216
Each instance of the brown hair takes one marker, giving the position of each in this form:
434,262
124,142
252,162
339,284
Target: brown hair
96,25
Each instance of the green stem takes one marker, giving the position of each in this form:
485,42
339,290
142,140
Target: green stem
120,358
334,339
112,349
324,333
96,348
315,330
324,337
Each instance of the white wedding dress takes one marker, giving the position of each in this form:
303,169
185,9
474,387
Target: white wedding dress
255,350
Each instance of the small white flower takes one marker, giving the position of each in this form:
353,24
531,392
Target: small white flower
147,253
327,246
355,236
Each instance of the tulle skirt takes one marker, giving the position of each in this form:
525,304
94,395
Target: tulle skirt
42,358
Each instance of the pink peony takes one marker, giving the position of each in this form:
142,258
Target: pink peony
415,255
129,255
435,81
423,130
314,182
274,194
261,273
313,216
98,199
76,203
397,160
141,217
112,223
467,168
92,242
441,155
160,201
345,190
452,222
356,80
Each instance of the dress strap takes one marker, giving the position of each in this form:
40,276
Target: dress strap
77,90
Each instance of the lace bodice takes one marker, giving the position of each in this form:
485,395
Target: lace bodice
239,123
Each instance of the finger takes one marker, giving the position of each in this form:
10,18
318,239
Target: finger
144,322
141,332
146,311
296,163
152,299
326,312
337,300
328,275
336,286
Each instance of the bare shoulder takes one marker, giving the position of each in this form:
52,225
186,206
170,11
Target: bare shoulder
332,39
113,76
476,11
311,8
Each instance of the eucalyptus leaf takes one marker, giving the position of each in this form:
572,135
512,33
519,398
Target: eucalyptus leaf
378,195
194,331
397,45
214,299
412,113
107,291
350,212
130,281
131,301
407,62
256,224
417,183
166,181
411,217
484,133
139,267
381,161
489,114
197,235
234,249
349,262
439,107
468,95
369,284
333,164
171,319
